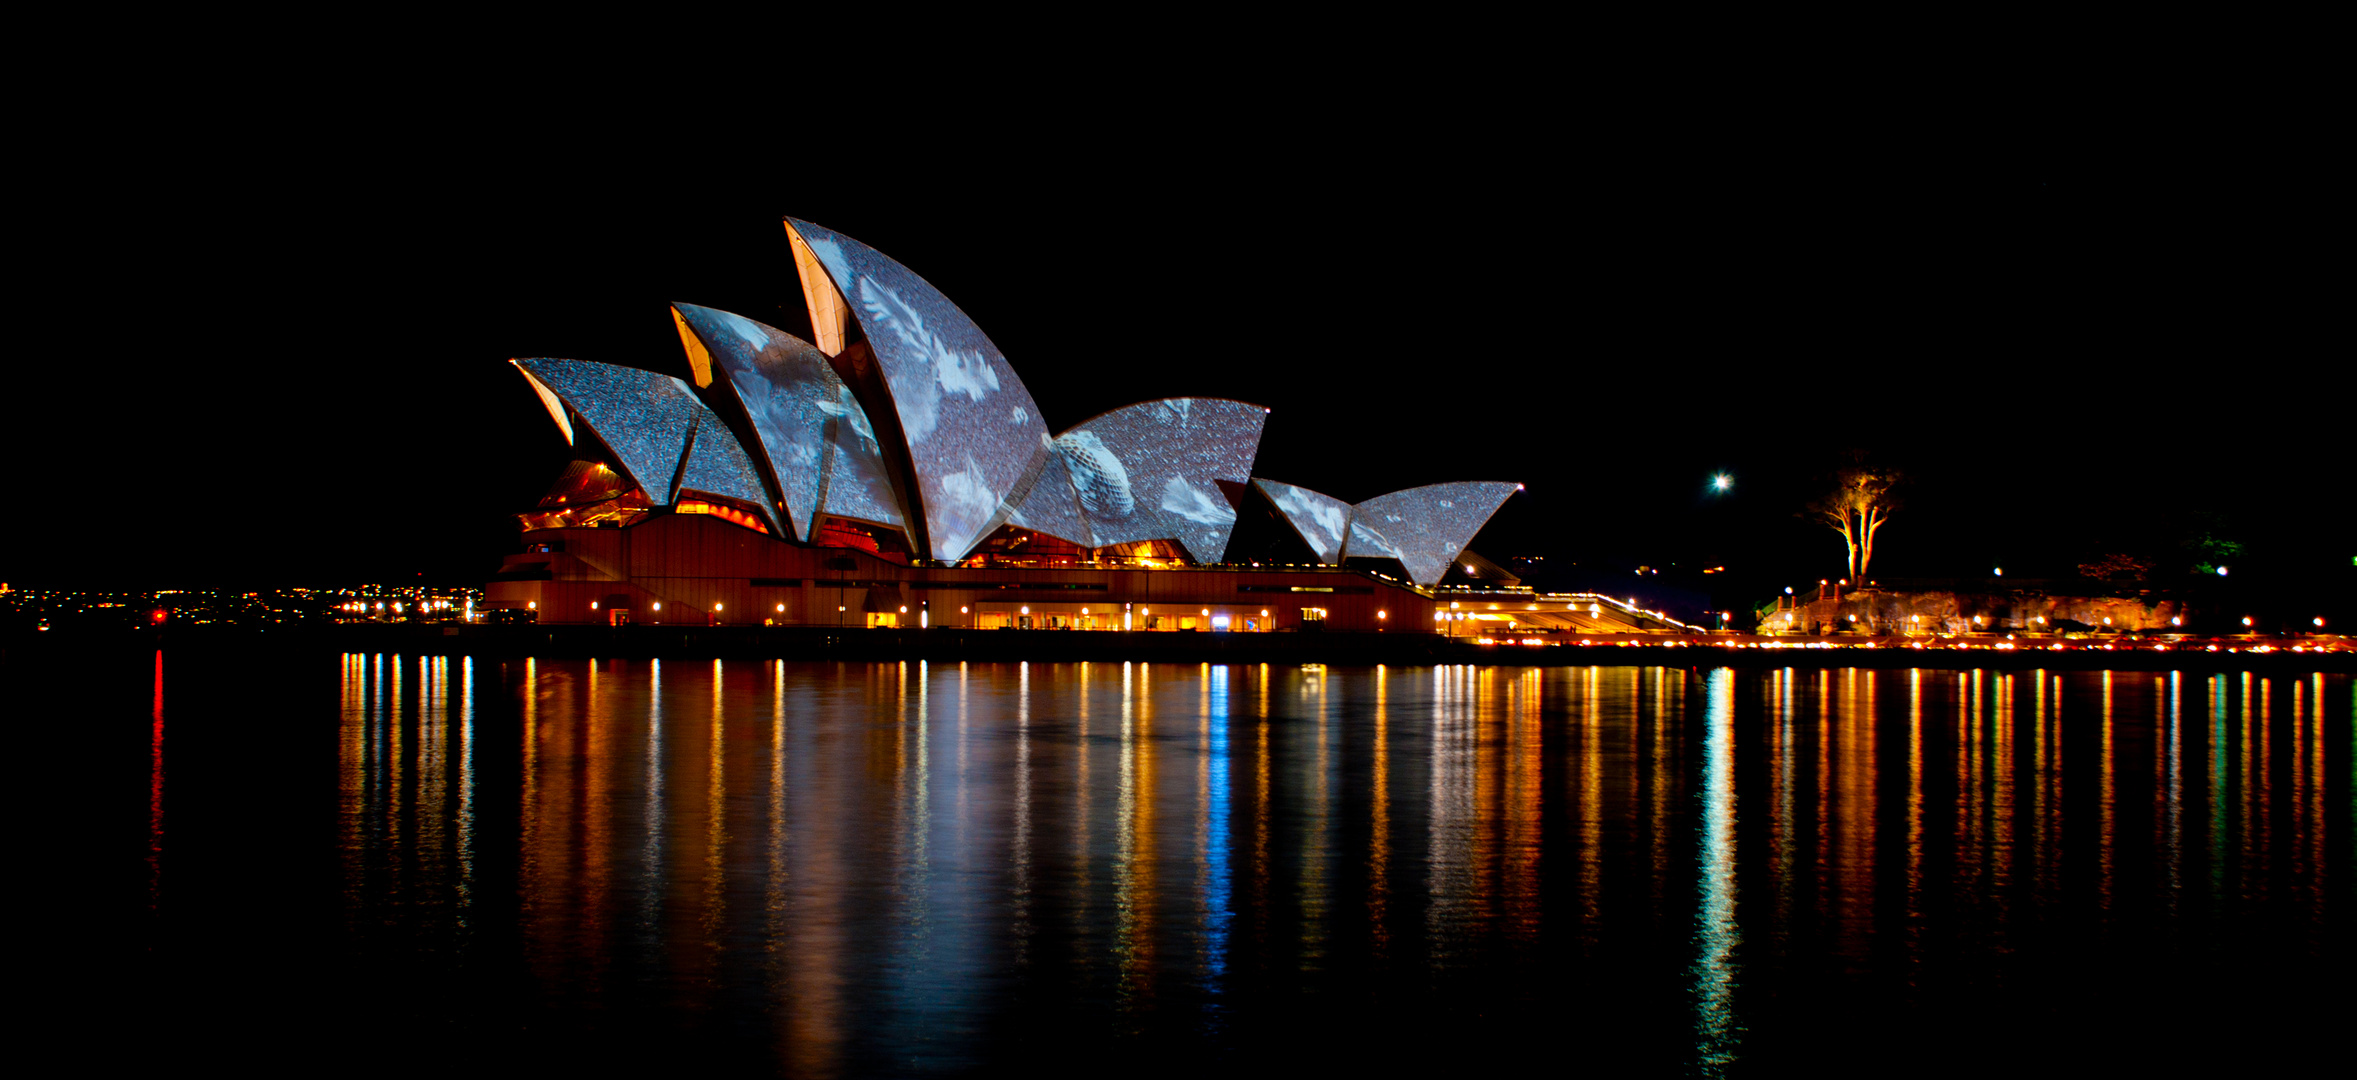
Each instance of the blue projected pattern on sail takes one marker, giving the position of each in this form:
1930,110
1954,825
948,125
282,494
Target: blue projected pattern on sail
816,438
1425,528
644,418
971,429
1151,471
717,465
1322,520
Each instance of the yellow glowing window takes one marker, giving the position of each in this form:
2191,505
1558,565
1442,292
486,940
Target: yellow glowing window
729,514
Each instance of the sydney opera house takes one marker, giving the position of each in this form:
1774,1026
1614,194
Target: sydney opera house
894,472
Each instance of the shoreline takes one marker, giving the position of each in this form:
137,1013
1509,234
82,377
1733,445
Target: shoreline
1057,646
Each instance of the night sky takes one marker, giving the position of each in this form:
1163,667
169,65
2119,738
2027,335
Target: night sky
277,356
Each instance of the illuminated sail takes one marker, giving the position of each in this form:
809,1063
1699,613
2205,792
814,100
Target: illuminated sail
936,387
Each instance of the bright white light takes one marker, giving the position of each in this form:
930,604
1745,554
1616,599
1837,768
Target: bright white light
1722,482
2221,571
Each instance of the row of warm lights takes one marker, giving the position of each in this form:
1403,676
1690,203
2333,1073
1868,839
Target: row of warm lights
781,609
357,606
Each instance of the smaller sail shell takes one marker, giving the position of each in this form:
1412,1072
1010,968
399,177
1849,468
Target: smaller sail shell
644,418
718,465
812,431
1322,521
1151,471
1425,528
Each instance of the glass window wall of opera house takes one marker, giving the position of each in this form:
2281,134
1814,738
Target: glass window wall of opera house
894,472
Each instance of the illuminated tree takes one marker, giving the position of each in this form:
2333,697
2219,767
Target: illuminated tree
1860,501
2209,549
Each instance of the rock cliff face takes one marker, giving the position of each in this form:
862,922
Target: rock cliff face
1876,611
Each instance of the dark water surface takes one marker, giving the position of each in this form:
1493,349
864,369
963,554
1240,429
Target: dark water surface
398,863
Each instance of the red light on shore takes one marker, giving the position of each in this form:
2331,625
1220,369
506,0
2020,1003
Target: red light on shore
158,616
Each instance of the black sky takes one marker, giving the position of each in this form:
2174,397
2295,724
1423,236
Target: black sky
274,352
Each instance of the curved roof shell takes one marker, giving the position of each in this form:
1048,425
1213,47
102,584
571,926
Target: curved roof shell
1321,520
1152,471
642,417
718,465
1425,528
661,437
817,441
971,430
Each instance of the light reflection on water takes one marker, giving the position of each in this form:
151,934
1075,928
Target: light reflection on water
910,866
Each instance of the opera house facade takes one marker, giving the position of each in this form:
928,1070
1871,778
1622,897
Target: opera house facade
895,472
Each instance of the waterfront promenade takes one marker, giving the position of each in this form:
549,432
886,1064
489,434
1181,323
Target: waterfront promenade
2332,653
